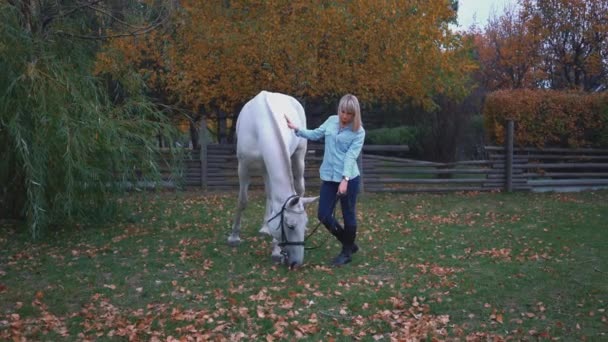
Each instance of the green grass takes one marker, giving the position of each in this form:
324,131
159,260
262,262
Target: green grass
479,266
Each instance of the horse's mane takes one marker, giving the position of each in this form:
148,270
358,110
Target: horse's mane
277,129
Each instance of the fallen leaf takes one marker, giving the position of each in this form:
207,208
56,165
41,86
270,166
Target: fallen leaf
499,318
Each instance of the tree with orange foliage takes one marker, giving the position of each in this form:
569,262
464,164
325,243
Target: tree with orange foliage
509,51
220,54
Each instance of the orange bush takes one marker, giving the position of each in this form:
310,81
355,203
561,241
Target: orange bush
546,118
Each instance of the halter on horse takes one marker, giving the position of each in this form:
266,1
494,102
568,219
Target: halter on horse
284,240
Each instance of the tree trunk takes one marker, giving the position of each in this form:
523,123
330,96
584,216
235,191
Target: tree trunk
160,140
202,131
221,127
194,136
27,8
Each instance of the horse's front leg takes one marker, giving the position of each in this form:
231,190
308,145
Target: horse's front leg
276,255
234,239
297,167
264,228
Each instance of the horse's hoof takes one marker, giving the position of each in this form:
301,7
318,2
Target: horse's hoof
234,242
264,230
278,259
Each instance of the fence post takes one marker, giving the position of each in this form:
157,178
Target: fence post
203,153
509,156
360,164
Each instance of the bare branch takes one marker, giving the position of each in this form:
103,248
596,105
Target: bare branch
137,32
102,11
77,8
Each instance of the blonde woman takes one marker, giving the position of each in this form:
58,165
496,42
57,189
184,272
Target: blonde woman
344,136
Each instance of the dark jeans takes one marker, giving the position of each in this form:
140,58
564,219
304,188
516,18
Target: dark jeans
327,202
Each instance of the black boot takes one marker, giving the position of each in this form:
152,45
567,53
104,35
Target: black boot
344,257
348,247
339,232
350,234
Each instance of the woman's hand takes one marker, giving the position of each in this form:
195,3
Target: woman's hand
343,187
290,124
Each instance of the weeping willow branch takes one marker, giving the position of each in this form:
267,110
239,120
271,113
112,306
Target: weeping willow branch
67,149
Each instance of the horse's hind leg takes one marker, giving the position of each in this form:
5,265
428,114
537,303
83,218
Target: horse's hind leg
234,239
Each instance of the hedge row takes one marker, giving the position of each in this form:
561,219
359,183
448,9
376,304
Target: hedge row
546,118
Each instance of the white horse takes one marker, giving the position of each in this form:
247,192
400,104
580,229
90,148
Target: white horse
266,145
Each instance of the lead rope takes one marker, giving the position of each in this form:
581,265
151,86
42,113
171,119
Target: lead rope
318,224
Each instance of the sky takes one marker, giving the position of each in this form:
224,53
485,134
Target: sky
478,11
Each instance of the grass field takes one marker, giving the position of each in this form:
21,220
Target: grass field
472,266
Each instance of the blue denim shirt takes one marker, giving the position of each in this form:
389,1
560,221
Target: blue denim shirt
342,148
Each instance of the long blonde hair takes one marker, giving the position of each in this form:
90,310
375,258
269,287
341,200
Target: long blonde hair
350,104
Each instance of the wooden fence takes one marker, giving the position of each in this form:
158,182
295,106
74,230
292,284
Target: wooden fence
214,167
554,169
532,169
548,169
383,168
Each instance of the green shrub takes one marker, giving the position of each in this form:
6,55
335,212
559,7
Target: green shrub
601,139
402,135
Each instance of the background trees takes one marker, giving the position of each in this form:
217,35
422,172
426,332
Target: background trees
509,51
557,44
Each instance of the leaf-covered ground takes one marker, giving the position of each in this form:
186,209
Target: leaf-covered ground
471,266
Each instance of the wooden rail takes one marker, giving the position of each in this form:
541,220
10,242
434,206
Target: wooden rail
556,169
383,168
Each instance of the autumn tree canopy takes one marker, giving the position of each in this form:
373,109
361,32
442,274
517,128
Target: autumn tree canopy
221,53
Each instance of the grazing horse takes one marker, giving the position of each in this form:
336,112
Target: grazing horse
266,146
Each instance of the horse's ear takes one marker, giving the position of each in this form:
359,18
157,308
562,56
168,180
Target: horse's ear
306,200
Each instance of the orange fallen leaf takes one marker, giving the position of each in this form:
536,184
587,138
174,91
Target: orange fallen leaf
499,318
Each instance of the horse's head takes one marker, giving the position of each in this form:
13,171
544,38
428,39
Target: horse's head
292,229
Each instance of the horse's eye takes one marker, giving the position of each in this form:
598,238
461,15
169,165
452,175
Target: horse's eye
291,226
